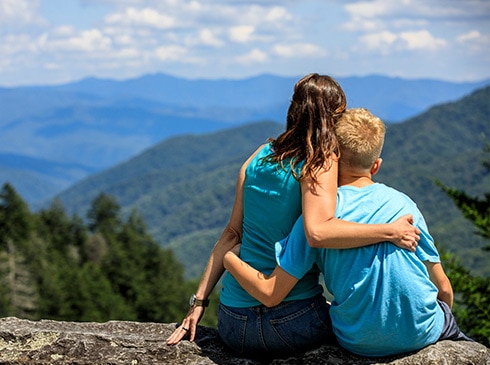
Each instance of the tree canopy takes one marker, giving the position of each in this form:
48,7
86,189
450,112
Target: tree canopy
54,266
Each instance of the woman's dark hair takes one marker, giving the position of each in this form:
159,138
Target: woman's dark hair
318,102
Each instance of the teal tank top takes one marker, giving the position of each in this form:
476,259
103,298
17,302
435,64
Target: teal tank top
272,204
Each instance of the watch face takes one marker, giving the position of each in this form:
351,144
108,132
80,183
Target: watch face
192,301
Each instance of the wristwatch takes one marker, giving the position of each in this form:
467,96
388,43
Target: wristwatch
194,302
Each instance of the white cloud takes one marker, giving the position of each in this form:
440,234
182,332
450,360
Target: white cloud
207,37
407,23
409,17
363,24
378,41
15,43
299,50
476,42
64,31
370,9
51,66
171,53
252,57
123,39
431,9
421,40
242,33
238,38
142,17
470,36
86,41
387,42
127,53
277,14
20,12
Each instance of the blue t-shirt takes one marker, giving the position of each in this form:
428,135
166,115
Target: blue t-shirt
384,302
271,206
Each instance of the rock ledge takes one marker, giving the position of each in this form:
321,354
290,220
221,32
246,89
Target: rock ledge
118,342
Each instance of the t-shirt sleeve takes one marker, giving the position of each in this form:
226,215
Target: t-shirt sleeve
293,254
426,249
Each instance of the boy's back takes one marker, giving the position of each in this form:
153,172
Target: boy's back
381,291
387,300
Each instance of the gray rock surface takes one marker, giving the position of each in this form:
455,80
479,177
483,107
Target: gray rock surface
118,342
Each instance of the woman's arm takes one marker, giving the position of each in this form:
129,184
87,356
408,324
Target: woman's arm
323,230
269,290
230,237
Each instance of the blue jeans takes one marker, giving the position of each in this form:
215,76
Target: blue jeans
289,328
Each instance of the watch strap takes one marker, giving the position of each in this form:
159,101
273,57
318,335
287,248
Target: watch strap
201,302
194,302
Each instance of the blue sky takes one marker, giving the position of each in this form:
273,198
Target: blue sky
58,41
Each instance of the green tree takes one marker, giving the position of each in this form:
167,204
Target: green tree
104,214
53,266
19,292
55,260
115,262
62,232
15,217
472,300
153,279
148,279
475,209
94,298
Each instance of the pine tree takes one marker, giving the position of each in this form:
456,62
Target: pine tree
54,267
19,291
161,291
147,278
104,214
15,217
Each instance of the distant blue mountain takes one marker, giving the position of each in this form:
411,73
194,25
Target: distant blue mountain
393,99
99,123
37,179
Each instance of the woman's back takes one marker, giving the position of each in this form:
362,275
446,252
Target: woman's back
272,204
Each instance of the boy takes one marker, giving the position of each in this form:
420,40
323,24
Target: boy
386,300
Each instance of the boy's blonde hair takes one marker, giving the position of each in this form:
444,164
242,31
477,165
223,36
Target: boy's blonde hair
361,136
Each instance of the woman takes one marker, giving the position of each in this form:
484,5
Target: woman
293,174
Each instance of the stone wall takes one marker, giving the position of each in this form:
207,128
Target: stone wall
132,343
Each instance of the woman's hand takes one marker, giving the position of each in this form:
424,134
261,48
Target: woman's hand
188,326
406,235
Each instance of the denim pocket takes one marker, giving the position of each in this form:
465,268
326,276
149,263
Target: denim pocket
305,329
232,328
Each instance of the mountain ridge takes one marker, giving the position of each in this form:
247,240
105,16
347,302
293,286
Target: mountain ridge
99,123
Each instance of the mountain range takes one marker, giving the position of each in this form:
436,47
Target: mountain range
54,136
184,186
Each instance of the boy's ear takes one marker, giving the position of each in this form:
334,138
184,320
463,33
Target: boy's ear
376,166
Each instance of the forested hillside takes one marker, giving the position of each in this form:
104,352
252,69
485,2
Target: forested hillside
54,266
184,186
